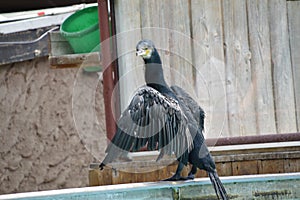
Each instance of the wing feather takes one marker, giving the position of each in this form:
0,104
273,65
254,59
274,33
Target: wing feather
196,110
154,120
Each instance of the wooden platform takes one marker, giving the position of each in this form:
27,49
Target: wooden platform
230,160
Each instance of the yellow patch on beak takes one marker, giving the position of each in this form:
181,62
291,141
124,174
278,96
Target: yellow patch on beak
147,52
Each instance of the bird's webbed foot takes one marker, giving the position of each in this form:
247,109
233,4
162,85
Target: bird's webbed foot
190,176
192,173
176,177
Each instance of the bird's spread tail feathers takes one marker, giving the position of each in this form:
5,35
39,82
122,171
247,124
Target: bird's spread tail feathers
218,186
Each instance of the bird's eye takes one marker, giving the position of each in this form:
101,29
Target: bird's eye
145,48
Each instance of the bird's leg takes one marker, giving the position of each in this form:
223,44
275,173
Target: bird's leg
192,173
101,166
177,176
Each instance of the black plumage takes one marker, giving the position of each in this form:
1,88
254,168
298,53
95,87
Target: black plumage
164,118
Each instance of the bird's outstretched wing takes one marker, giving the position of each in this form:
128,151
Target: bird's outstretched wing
197,112
151,120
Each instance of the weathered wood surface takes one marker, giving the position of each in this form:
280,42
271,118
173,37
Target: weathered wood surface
160,20
75,60
294,31
239,85
209,64
259,39
239,59
127,24
282,69
154,27
181,68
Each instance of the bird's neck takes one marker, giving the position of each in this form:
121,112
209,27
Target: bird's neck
154,74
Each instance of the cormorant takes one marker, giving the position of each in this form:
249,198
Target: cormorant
164,118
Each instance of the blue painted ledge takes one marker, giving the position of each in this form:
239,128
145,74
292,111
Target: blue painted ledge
272,186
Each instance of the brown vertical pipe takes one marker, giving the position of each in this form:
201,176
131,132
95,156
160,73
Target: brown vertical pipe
254,139
108,71
115,59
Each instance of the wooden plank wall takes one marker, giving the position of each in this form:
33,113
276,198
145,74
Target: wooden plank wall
294,31
282,69
239,59
209,58
259,39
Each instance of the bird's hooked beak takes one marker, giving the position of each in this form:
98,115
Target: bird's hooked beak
139,52
145,53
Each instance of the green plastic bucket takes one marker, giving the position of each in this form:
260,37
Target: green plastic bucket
81,29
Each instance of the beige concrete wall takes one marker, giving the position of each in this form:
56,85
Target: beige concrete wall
40,147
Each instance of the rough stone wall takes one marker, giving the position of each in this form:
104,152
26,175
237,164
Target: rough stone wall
40,148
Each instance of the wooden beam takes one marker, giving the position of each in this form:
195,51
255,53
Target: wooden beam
75,60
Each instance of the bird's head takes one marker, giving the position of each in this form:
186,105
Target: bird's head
145,48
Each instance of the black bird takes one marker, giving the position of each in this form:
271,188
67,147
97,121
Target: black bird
164,118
